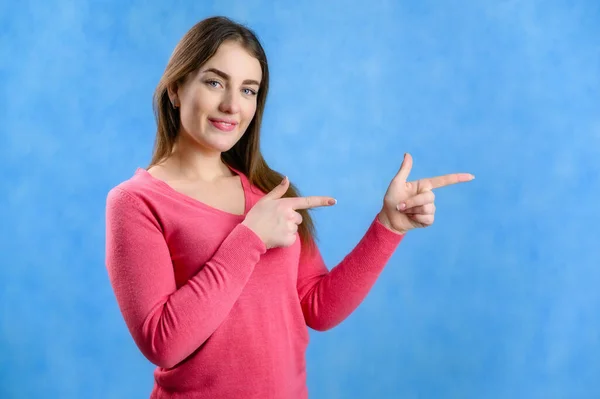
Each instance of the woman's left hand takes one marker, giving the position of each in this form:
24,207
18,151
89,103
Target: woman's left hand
409,205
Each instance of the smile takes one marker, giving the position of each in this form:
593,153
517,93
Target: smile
225,126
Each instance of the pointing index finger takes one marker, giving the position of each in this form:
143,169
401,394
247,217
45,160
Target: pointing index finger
447,180
313,201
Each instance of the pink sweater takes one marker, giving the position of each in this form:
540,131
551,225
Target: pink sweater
205,301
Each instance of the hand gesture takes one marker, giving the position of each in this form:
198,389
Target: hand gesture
274,219
409,205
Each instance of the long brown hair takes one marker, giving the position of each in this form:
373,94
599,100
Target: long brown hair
196,47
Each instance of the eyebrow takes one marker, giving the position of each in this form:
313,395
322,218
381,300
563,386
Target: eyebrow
227,77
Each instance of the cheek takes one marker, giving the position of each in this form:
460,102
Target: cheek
249,112
200,104
195,109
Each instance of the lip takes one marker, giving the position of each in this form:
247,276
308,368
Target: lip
225,125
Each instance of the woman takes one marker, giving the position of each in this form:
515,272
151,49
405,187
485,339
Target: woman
211,254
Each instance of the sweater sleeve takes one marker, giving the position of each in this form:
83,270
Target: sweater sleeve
328,297
166,323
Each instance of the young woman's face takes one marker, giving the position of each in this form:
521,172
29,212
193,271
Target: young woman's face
218,102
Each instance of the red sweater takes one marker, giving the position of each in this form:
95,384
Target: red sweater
204,300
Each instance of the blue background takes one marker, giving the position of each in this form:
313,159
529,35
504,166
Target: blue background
498,299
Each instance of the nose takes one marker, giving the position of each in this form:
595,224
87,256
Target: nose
230,103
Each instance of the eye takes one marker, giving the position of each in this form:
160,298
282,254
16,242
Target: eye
213,83
249,92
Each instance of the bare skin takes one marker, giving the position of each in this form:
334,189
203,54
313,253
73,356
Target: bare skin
410,205
217,103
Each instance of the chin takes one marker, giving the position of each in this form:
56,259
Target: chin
222,145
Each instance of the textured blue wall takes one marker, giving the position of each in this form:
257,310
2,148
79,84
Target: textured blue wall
498,299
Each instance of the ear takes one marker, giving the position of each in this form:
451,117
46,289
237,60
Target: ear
173,96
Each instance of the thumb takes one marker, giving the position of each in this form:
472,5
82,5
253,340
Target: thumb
405,168
279,190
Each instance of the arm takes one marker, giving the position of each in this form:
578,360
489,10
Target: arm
328,297
166,323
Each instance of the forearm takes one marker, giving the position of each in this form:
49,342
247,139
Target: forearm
168,322
180,323
332,296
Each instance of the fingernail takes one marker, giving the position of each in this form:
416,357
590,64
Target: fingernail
284,180
332,202
401,206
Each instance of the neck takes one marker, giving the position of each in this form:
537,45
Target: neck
193,162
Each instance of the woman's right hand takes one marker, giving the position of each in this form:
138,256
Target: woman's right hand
274,219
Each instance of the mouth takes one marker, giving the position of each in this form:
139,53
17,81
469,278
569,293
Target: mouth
223,124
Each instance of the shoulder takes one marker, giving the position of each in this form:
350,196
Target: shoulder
130,192
131,207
